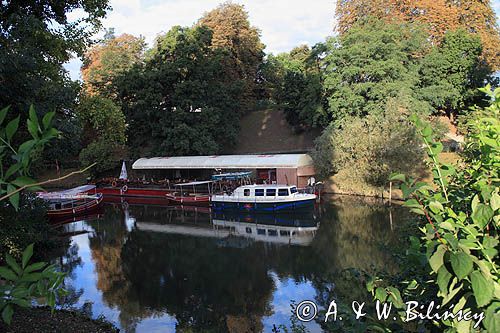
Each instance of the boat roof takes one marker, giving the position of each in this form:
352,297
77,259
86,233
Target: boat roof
66,193
267,186
225,162
195,183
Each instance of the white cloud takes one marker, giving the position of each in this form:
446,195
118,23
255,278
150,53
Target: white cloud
283,24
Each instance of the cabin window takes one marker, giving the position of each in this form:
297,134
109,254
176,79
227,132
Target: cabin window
272,232
284,233
271,192
248,230
283,192
293,190
246,192
259,192
261,231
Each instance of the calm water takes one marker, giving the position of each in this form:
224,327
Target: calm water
160,269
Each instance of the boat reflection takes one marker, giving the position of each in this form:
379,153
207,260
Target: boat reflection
291,229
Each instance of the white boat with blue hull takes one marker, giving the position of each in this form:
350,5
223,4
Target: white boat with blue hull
264,198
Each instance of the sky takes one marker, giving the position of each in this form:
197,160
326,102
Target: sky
284,24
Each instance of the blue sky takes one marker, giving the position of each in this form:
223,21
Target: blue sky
284,24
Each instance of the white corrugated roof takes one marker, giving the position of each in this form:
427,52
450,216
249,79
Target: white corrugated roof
224,162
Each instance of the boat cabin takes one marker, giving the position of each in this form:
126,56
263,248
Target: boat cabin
265,191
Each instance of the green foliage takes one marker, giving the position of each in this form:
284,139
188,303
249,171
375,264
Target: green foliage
104,132
15,162
462,219
181,102
28,224
371,63
25,283
451,73
369,148
36,39
294,81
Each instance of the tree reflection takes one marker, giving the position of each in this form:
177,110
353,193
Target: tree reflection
212,287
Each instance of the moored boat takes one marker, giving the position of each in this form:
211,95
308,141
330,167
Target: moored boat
187,194
72,202
264,198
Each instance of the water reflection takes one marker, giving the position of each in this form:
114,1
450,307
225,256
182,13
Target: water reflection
152,268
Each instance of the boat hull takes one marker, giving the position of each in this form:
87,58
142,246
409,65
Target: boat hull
82,209
202,200
276,206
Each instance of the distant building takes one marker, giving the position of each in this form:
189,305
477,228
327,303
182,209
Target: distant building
292,169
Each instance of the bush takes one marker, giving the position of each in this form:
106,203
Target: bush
369,148
28,225
100,152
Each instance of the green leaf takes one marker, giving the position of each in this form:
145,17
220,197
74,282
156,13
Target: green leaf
23,181
33,116
14,200
32,128
11,128
7,274
21,302
492,318
482,288
447,226
482,215
380,294
3,114
443,279
397,176
461,263
395,297
427,131
495,201
13,264
7,314
436,260
47,119
35,267
12,170
436,206
28,252
437,147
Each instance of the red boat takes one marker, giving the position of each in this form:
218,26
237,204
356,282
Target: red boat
182,196
73,202
125,191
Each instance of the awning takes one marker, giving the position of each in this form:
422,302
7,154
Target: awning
232,175
225,162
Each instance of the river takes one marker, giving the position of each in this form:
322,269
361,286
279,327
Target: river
164,269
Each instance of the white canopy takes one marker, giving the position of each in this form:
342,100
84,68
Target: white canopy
225,162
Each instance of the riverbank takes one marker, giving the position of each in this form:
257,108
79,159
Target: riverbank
40,319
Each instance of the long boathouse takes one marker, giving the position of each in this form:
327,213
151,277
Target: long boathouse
292,169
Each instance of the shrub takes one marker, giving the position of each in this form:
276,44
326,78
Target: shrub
369,148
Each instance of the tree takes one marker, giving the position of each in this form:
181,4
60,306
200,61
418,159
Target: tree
181,101
369,64
232,31
36,39
437,16
103,132
366,150
295,83
103,62
452,73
